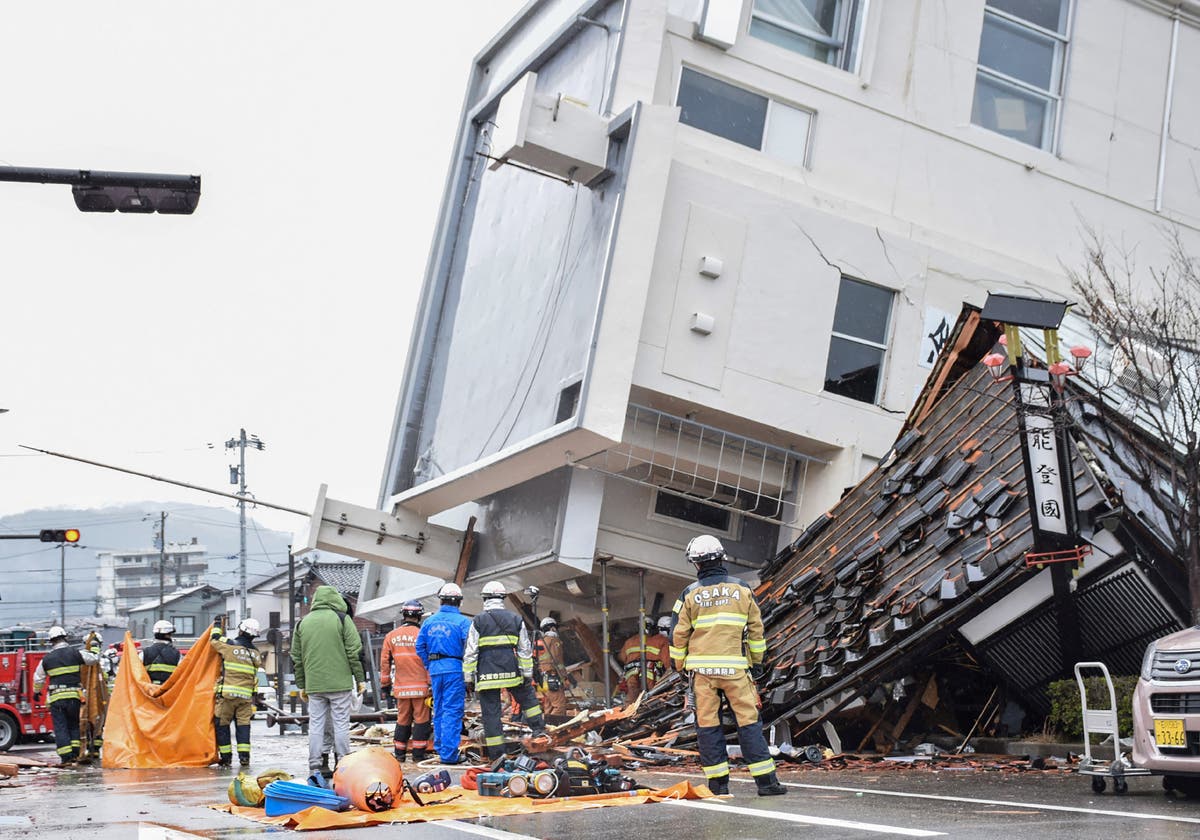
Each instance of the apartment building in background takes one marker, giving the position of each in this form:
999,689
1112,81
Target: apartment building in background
129,578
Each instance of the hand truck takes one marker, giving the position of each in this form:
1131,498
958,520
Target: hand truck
1103,722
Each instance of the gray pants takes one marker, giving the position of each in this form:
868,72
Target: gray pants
328,709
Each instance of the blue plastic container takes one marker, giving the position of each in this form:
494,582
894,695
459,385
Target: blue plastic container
290,797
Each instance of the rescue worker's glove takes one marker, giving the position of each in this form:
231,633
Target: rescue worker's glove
259,703
391,701
362,688
470,687
757,672
303,696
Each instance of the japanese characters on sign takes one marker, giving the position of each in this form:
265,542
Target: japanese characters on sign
1041,445
934,336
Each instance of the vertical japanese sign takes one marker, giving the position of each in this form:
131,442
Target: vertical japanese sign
1042,456
935,335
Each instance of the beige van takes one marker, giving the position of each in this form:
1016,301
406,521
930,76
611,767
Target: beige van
1166,711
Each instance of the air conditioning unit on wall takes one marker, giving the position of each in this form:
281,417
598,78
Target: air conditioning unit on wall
549,132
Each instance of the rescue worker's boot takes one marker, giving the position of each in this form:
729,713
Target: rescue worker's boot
719,786
224,746
243,744
400,741
420,740
402,756
768,785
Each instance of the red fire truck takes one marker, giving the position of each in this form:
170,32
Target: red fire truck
21,717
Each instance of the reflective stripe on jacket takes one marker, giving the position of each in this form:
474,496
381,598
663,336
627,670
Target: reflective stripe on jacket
399,652
161,659
498,653
240,662
657,652
718,626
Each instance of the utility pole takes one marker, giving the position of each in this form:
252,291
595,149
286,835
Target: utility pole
237,475
62,580
160,538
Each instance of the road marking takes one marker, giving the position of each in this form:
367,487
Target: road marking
709,805
942,798
484,831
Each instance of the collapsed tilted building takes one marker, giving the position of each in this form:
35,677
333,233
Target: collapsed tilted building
929,559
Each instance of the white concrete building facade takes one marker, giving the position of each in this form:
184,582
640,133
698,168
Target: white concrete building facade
751,224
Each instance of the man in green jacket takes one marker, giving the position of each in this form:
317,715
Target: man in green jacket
326,659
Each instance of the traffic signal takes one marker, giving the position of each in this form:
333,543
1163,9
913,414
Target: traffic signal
67,535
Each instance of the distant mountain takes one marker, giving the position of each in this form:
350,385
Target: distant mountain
30,570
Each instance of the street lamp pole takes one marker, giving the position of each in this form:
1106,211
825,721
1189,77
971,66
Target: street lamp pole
97,191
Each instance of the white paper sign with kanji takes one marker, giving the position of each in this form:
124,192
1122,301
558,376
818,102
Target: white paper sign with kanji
935,335
1042,446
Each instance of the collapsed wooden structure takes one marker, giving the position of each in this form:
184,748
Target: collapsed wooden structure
926,562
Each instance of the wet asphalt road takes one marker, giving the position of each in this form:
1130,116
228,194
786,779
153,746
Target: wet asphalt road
101,804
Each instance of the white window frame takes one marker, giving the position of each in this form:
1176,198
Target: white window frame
735,518
850,10
1052,128
884,347
772,102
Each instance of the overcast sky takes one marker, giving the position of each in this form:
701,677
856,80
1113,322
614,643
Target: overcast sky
284,305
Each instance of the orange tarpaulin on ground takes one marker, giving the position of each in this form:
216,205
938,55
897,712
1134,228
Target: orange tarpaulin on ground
168,725
469,806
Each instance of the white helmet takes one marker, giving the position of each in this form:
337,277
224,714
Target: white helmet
163,628
493,589
450,591
548,622
704,549
664,623
57,633
249,627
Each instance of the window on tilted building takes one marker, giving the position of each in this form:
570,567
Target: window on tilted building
859,341
744,117
826,30
1022,52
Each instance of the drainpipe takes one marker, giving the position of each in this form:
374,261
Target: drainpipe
1166,120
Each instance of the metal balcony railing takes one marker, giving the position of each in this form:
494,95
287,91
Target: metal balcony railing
707,464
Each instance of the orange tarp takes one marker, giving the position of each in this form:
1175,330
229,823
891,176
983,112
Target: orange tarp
469,806
168,725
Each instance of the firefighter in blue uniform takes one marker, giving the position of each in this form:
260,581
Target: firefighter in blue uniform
61,667
717,638
440,645
161,658
499,655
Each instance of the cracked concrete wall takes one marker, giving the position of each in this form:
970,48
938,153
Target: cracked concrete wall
902,191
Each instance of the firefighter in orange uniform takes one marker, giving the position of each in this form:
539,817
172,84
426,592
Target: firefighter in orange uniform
409,684
548,650
658,660
718,639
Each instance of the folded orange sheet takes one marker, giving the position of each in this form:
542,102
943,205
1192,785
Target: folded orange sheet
470,805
